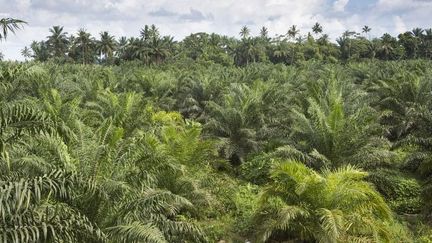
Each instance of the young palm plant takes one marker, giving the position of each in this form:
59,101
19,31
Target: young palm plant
333,206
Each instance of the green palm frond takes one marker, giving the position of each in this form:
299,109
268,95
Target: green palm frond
27,215
135,232
332,206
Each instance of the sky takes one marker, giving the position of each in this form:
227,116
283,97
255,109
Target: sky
179,18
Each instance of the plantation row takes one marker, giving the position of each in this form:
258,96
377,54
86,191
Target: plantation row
186,152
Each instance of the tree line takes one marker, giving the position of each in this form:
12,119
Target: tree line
293,47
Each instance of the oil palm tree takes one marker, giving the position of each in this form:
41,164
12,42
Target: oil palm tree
238,120
399,99
335,131
333,206
417,32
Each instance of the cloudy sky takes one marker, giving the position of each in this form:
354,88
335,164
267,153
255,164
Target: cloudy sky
182,17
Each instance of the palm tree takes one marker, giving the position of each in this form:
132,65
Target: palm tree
154,31
244,32
122,48
159,48
293,32
333,206
335,130
366,29
387,46
137,48
403,100
417,32
10,25
84,44
324,39
107,45
317,28
26,53
264,33
40,50
58,41
428,43
281,51
249,50
145,33
239,119
345,43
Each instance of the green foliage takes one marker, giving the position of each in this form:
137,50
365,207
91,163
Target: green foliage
402,192
335,206
31,210
292,48
192,151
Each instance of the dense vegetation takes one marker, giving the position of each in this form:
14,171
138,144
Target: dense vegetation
291,48
197,150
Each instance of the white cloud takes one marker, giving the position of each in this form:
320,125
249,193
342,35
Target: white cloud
400,26
402,5
339,5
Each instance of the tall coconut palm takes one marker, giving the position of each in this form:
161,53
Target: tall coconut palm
84,43
159,48
293,32
264,33
107,45
122,47
281,51
366,29
10,25
427,48
137,49
40,50
249,50
387,46
244,32
26,53
317,28
58,41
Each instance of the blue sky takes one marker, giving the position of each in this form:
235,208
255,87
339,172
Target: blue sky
182,17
